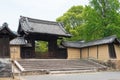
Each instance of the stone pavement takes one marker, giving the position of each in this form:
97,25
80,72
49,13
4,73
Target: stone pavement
80,76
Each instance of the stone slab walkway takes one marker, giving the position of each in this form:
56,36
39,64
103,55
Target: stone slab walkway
80,76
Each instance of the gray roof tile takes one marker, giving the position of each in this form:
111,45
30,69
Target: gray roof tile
42,26
9,32
18,41
105,40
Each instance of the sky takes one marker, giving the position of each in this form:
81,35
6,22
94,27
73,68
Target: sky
11,10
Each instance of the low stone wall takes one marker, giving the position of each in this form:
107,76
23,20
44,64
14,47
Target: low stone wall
113,64
5,68
117,64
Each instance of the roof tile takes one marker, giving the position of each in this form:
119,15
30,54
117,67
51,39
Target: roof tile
105,40
42,26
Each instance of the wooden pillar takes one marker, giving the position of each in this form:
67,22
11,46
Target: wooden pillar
52,48
32,49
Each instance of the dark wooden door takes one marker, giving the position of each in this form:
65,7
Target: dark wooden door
26,52
4,47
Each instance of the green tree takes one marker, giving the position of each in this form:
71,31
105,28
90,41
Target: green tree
102,19
41,46
99,19
72,20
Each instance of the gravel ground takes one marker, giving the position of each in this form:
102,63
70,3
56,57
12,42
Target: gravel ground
80,76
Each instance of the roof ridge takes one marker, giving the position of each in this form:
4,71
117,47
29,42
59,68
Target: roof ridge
5,25
108,37
105,40
39,20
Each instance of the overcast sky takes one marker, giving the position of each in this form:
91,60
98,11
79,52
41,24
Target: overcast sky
10,10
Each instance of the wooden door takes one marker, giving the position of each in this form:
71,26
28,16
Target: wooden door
4,47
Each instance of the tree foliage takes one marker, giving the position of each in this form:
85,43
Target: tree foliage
104,18
72,20
99,19
41,46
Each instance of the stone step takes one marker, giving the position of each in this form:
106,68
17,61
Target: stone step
61,69
58,65
72,71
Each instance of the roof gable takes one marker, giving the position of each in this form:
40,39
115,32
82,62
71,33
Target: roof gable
4,30
31,25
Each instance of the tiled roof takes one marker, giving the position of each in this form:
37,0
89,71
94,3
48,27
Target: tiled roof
106,40
7,31
18,41
74,44
31,25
